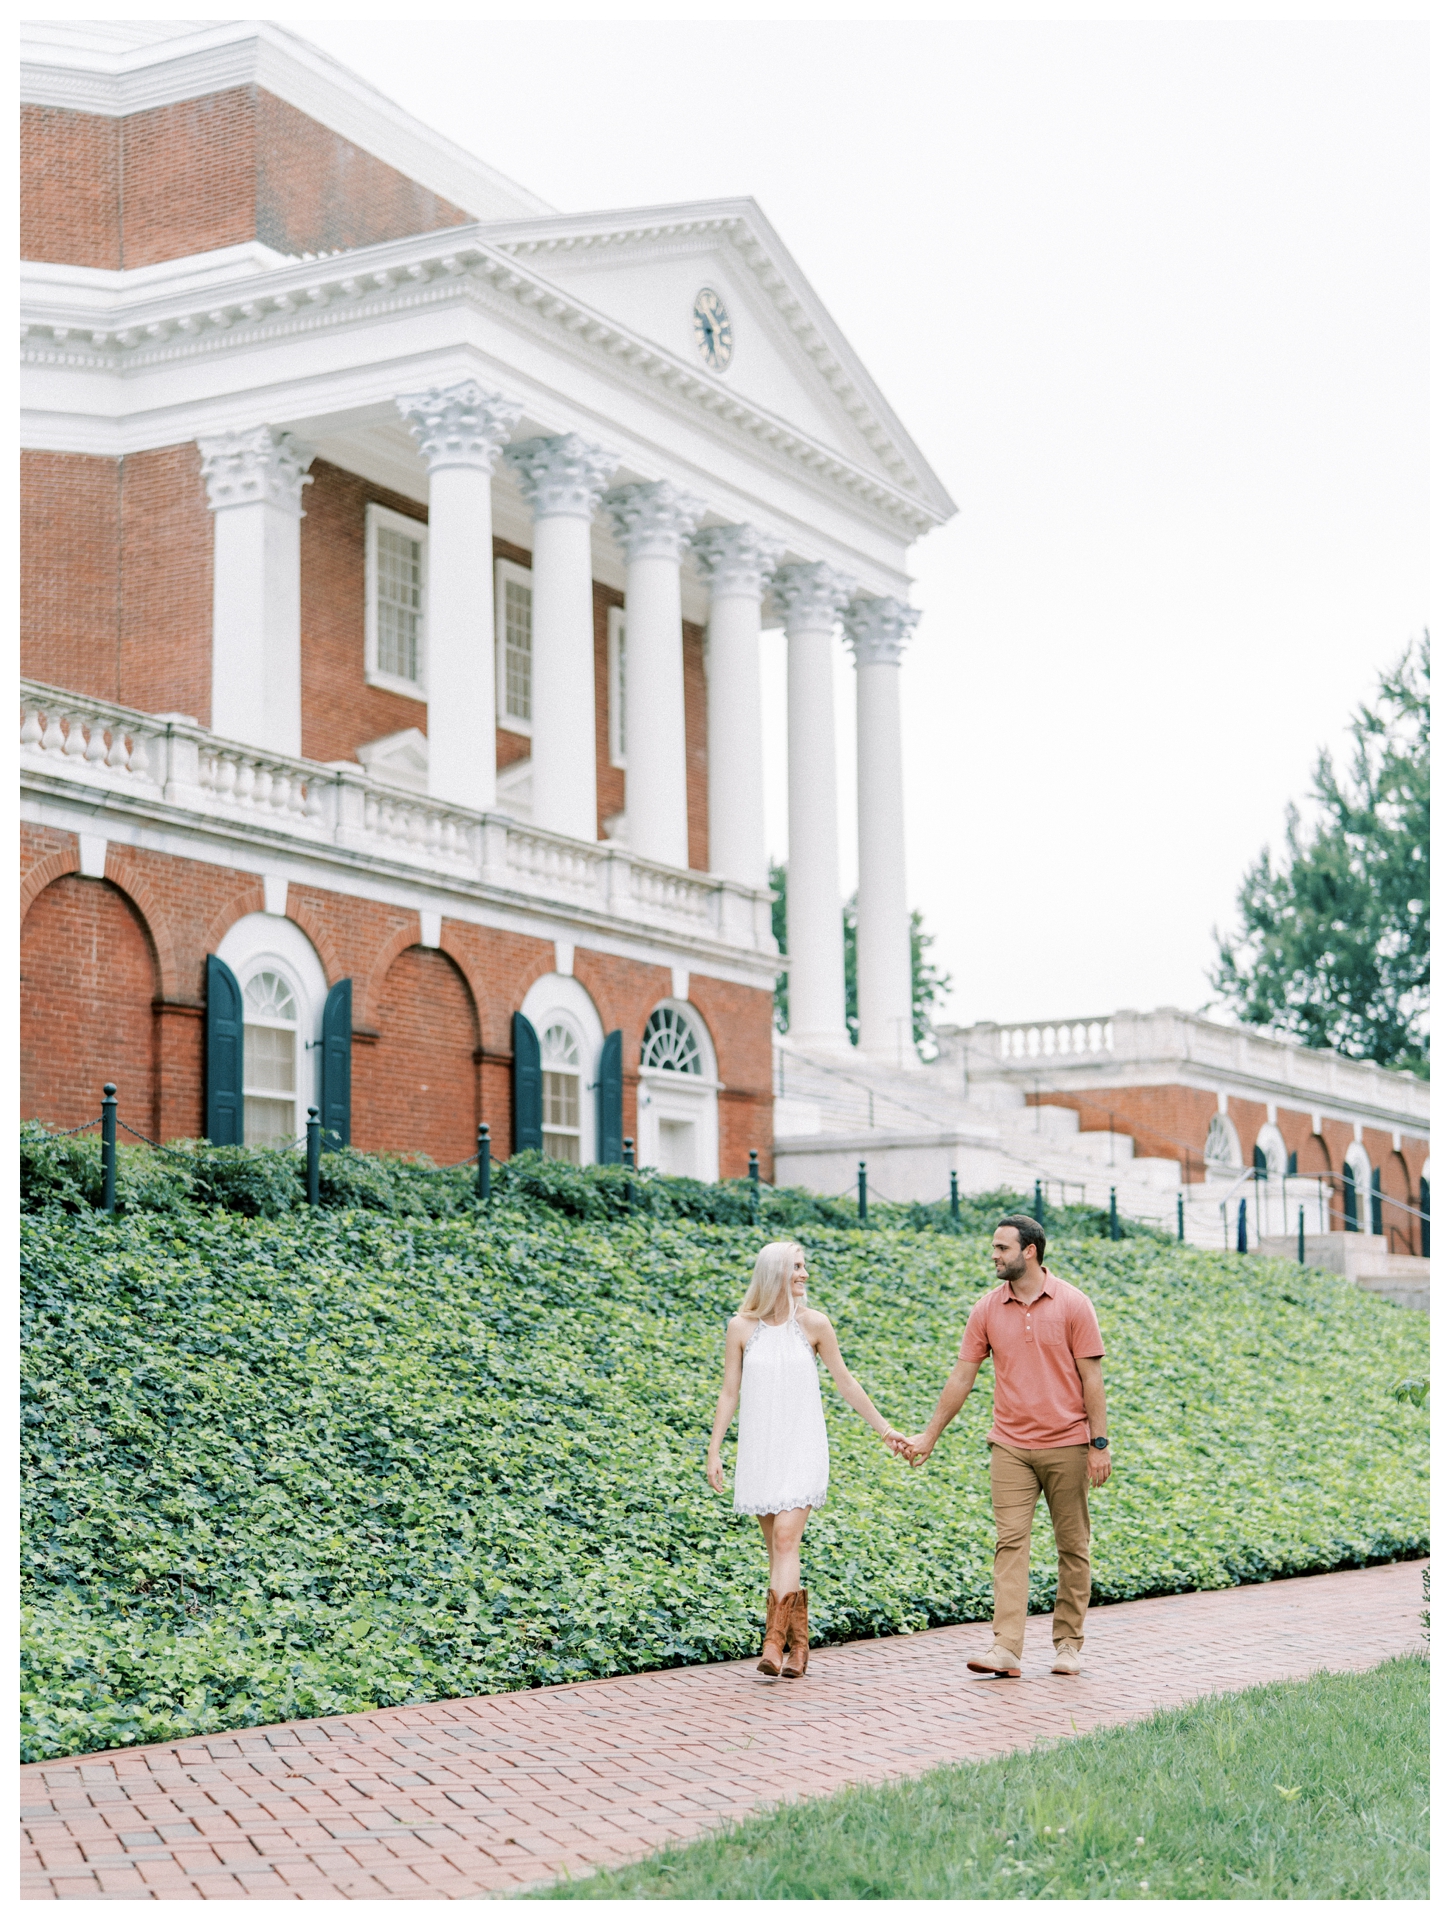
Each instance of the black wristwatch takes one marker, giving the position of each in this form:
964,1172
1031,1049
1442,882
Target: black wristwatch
1100,1443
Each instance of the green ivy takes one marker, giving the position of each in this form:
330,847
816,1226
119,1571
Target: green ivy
282,1462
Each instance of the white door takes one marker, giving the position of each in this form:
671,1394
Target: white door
678,1151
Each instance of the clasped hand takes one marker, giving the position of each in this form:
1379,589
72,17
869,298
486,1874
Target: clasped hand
912,1448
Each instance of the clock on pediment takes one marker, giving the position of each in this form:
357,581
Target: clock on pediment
713,334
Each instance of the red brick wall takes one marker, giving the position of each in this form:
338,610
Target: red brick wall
87,980
206,173
70,200
697,765
116,577
740,1023
415,1089
70,572
340,711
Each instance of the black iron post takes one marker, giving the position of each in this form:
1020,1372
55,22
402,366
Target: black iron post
314,1155
956,1199
1037,1201
861,1191
1180,1215
1243,1237
485,1166
629,1168
1301,1236
1114,1230
108,1148
754,1187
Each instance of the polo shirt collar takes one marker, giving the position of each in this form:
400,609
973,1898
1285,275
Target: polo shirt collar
1049,1286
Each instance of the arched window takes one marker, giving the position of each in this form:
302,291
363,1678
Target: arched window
560,1059
1270,1153
1357,1185
1221,1149
670,1045
269,1061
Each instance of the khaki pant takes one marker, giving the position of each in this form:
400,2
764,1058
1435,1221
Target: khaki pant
1019,1474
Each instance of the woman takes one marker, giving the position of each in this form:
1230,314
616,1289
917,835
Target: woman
782,1462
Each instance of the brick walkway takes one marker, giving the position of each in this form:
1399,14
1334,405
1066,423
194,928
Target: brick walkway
472,1797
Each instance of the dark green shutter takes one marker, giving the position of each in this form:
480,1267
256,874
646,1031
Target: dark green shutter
1376,1203
528,1089
611,1100
223,1054
1425,1223
337,1067
1261,1163
1293,1166
1351,1201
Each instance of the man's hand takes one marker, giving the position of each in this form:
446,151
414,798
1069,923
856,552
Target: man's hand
916,1448
714,1472
893,1441
1100,1465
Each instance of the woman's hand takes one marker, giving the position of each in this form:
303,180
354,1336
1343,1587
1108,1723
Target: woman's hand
714,1472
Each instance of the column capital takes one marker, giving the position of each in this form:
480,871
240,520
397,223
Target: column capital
877,630
563,474
255,464
809,595
652,519
459,426
735,560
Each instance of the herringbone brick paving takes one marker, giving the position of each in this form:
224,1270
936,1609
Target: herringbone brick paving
472,1797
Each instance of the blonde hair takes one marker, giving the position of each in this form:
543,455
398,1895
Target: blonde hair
773,1266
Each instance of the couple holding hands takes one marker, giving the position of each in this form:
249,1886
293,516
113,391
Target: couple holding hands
1048,1435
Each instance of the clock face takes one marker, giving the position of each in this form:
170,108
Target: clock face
713,334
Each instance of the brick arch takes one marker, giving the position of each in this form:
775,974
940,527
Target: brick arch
251,898
90,975
122,872
365,1005
458,952
53,867
303,914
416,1084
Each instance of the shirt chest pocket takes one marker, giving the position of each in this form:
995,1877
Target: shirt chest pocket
1050,1333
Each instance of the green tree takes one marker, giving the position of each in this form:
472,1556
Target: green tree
1333,945
929,984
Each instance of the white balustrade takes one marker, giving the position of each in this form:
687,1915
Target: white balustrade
1054,1041
223,782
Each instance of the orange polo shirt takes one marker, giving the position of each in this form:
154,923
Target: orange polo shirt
1036,1391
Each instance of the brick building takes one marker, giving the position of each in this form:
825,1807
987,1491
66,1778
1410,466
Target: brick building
394,557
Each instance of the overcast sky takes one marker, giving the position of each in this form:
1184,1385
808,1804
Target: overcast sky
1153,300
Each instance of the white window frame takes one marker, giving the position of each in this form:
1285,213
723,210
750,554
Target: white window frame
381,516
266,943
571,1027
504,572
618,659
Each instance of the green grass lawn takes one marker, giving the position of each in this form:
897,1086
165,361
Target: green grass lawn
289,1466
1317,1789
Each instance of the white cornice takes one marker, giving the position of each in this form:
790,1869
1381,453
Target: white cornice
100,328
741,224
90,70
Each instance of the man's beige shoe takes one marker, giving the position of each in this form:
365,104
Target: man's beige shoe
998,1661
1067,1660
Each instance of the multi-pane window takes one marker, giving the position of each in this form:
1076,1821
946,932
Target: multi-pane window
397,555
514,620
559,1051
670,1043
616,686
269,1061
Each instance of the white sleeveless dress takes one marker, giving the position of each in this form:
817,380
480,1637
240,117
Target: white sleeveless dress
783,1459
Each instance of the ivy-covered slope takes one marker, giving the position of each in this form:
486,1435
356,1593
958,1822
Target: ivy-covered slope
307,1464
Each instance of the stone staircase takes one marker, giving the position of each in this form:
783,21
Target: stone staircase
913,1129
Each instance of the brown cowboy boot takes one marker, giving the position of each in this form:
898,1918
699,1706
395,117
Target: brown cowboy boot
777,1618
798,1637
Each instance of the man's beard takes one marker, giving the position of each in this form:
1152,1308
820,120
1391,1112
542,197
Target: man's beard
1014,1269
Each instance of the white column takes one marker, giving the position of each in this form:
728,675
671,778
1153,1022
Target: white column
877,631
737,562
809,597
562,478
254,483
652,522
459,430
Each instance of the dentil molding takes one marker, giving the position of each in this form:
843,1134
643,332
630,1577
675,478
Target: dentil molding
241,469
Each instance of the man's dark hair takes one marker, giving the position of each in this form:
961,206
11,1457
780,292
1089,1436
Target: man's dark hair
1028,1232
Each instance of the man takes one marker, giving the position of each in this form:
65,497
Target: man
1049,1434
